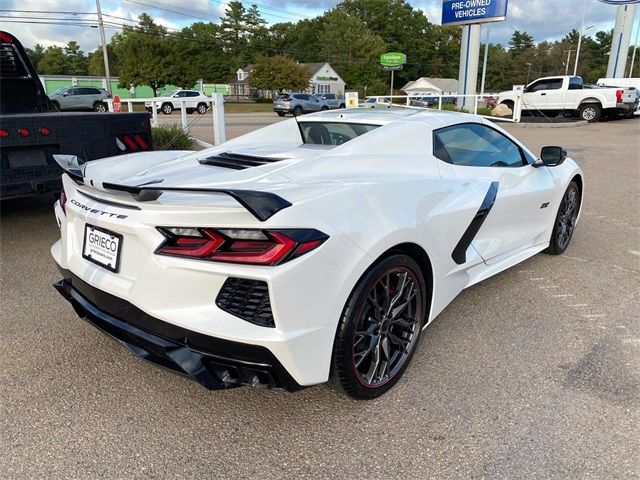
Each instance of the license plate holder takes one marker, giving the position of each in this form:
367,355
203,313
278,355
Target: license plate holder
102,247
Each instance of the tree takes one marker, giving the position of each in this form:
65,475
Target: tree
76,61
279,73
95,61
520,41
53,62
35,54
240,29
352,49
145,55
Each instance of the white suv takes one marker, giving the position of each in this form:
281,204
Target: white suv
195,101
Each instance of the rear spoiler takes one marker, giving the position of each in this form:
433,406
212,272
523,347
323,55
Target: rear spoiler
262,205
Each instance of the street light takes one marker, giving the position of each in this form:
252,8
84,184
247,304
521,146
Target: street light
582,30
528,73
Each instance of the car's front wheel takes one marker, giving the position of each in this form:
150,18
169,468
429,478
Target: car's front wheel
100,107
297,111
202,108
167,108
565,220
379,329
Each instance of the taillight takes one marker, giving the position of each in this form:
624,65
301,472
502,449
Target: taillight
44,131
63,200
23,132
3,133
619,94
246,246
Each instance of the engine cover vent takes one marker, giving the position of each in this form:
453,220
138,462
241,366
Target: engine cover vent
237,161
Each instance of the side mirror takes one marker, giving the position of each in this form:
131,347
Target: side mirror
65,94
553,156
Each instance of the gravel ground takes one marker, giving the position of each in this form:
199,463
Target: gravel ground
534,373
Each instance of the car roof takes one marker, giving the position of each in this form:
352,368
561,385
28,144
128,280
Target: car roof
359,115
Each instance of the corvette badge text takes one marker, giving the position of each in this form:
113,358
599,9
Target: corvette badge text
97,211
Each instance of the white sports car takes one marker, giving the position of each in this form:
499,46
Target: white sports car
315,249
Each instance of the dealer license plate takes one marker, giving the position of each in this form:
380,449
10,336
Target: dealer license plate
102,247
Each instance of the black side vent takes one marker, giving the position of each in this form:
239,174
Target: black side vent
237,161
10,64
247,299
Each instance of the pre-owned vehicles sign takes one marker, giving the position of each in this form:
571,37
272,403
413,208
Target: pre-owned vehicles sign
462,12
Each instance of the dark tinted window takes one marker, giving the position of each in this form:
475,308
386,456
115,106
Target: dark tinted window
300,96
193,94
73,91
575,83
550,84
476,145
330,96
332,133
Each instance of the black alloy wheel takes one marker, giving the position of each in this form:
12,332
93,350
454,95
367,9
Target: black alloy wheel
565,220
379,329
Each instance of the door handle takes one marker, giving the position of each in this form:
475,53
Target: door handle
543,94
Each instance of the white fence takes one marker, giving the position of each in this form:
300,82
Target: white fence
217,109
405,101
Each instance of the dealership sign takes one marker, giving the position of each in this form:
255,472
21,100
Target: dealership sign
463,12
393,59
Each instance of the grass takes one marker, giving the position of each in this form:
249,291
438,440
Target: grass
171,137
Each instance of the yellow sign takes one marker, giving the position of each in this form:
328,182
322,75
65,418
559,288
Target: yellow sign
351,99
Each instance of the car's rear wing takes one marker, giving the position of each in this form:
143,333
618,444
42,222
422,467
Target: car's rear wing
262,205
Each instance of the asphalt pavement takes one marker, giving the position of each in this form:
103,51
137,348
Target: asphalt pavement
534,373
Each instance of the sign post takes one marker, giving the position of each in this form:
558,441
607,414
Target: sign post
392,61
351,99
470,14
621,37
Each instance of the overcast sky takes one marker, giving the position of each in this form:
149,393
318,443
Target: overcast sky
544,19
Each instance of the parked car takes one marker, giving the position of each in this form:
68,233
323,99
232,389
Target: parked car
330,100
377,102
300,264
296,103
567,94
80,98
197,102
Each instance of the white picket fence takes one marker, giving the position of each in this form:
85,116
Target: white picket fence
217,109
404,101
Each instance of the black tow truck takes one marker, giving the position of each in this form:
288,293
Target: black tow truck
32,129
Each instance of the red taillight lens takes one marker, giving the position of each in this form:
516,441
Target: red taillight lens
619,94
246,246
63,200
3,133
44,131
23,132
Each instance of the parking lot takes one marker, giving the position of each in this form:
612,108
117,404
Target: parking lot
534,373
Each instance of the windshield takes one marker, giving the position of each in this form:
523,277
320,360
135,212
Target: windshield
171,93
60,90
332,133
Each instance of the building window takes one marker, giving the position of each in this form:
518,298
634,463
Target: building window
322,88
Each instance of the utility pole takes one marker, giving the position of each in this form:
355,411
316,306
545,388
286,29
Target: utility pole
104,47
484,62
528,73
635,48
584,13
566,70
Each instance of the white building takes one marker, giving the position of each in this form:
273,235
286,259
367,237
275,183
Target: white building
431,86
324,79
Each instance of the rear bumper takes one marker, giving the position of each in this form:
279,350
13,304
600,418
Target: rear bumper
282,109
214,363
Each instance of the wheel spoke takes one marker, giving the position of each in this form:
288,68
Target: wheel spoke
375,363
399,342
364,354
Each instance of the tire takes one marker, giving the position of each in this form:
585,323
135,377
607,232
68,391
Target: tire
190,111
342,105
280,114
353,371
100,107
202,108
297,111
565,221
324,108
591,112
167,108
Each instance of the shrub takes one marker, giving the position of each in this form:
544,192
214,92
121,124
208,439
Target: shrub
263,100
484,111
171,137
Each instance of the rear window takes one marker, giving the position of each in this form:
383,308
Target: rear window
284,96
332,133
